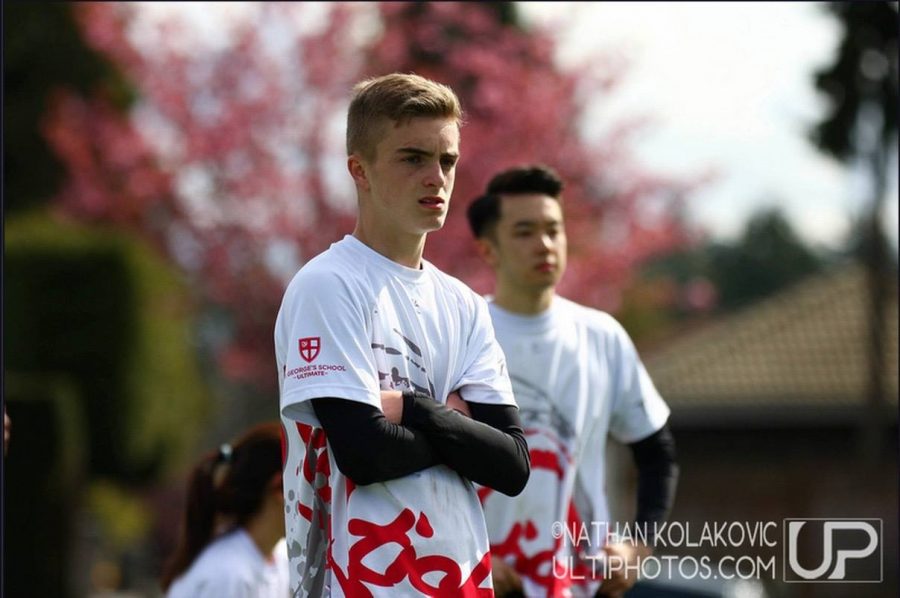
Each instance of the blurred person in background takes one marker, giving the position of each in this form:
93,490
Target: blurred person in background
577,379
375,346
232,537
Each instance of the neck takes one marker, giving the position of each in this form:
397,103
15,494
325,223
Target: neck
266,529
527,302
406,250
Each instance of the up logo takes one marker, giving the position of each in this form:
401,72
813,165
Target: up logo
836,550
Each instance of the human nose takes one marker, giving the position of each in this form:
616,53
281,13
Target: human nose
546,243
435,176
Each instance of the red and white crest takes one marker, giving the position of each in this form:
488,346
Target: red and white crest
309,348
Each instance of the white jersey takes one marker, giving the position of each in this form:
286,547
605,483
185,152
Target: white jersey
232,566
577,378
353,323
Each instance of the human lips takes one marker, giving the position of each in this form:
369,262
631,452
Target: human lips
432,202
546,267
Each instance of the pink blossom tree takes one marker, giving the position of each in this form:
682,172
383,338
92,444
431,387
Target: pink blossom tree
232,161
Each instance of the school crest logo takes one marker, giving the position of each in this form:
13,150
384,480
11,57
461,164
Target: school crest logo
309,348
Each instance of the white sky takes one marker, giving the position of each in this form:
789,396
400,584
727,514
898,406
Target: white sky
728,85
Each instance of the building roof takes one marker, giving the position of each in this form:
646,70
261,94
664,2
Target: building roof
800,355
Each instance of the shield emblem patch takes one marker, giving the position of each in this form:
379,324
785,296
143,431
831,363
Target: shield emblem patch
309,348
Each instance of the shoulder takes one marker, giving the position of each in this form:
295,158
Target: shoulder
457,289
231,551
280,552
596,319
326,266
598,323
328,272
223,564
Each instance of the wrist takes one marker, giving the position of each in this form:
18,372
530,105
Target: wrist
392,406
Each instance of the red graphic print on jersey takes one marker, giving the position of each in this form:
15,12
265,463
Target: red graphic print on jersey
315,463
539,566
407,563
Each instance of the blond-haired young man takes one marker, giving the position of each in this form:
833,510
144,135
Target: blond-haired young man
376,350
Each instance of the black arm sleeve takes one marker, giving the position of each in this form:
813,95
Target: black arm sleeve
657,472
489,448
367,447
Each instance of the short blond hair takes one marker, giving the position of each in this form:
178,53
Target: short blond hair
397,97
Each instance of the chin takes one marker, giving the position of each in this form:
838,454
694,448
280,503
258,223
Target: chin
546,281
438,225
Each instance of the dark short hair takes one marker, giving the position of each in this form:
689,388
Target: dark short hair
484,211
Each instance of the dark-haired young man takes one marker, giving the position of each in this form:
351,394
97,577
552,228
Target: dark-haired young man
577,379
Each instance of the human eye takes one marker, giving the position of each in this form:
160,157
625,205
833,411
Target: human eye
448,162
413,159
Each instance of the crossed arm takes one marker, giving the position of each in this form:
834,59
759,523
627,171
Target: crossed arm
413,432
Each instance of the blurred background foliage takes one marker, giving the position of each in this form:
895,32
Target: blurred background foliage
99,307
44,50
101,374
97,339
159,192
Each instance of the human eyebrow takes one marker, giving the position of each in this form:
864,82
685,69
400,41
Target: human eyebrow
414,151
524,225
552,223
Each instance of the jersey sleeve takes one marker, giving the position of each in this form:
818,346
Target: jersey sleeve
638,409
485,378
322,345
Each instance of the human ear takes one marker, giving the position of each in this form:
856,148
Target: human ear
357,169
488,252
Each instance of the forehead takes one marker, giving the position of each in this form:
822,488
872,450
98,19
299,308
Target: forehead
436,135
529,208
